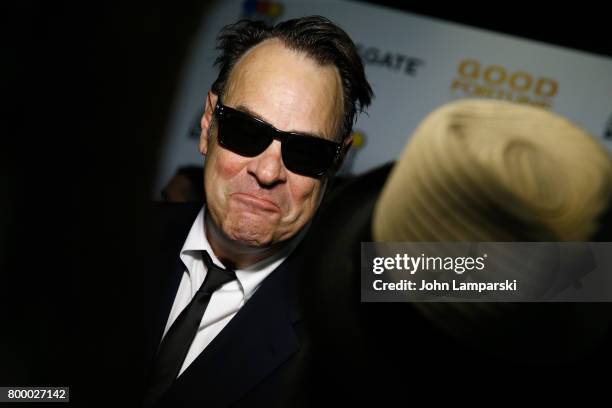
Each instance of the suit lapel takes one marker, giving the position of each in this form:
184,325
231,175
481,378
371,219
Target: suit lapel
253,344
164,272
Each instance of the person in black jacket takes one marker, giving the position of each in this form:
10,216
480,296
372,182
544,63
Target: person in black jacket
276,126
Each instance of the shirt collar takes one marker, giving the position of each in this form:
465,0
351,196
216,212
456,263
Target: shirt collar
250,277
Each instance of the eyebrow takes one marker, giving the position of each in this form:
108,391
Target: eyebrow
248,111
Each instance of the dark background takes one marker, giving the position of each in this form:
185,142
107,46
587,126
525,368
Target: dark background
584,26
86,90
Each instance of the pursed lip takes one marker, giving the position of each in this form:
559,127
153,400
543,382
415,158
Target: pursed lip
259,202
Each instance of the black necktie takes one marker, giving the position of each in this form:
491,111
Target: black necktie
180,335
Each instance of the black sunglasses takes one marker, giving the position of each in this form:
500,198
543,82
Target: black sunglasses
248,136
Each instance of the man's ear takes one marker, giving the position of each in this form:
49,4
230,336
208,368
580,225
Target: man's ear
346,145
209,108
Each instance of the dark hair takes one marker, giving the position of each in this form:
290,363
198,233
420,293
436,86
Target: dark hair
316,36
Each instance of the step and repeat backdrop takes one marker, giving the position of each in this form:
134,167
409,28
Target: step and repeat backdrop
414,64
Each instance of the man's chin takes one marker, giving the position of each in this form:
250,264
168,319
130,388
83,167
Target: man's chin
250,235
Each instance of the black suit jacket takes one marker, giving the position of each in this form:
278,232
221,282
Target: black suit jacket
252,361
322,346
297,342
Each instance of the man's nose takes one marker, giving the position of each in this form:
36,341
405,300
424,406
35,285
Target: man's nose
268,167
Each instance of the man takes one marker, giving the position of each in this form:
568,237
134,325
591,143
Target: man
223,319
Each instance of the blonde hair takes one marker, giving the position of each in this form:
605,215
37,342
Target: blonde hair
486,170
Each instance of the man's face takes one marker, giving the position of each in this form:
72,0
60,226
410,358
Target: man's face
255,200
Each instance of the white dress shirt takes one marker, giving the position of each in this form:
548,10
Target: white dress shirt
225,301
